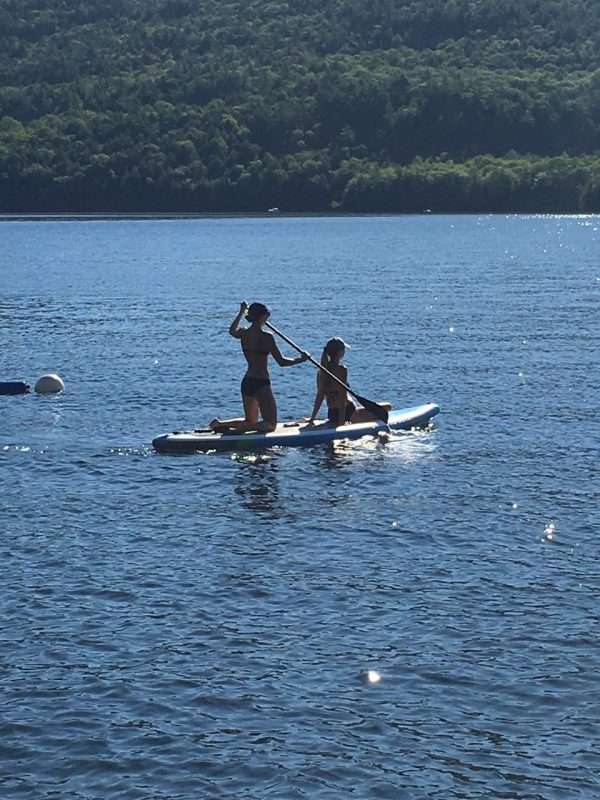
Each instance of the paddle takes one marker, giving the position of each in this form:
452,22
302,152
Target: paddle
373,408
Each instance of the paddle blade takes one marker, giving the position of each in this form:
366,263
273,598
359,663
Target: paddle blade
374,408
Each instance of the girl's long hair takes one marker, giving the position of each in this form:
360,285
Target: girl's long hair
332,347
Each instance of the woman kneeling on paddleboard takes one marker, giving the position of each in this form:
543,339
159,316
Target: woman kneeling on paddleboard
257,394
340,409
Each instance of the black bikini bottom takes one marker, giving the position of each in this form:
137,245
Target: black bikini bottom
252,386
334,417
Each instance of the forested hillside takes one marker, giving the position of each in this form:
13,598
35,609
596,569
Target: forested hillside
360,105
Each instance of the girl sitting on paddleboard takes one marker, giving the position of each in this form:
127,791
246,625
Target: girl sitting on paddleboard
340,409
257,394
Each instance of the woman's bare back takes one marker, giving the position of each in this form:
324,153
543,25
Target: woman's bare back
256,346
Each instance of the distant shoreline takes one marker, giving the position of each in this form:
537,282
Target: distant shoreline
108,216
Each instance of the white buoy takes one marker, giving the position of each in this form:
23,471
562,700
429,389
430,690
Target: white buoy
50,384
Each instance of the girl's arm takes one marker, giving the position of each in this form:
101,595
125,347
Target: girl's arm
318,403
234,328
282,360
321,392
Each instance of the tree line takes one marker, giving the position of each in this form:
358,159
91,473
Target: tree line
451,105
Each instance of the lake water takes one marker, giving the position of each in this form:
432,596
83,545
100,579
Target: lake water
195,627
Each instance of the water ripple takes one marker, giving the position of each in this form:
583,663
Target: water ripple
176,628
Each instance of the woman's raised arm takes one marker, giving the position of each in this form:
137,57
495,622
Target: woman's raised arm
234,328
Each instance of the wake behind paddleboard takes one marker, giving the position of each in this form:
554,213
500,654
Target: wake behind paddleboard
295,435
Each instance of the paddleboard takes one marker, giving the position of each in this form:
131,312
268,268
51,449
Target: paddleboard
291,434
13,387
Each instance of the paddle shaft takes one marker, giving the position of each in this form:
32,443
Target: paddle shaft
310,358
369,404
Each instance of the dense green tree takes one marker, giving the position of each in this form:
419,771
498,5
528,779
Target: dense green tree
390,105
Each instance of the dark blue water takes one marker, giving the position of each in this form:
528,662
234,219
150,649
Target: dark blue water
195,627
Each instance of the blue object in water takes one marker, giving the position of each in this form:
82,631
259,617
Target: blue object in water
14,387
292,435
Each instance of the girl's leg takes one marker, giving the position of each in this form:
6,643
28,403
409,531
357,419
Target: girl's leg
220,425
251,409
268,410
263,402
248,422
362,415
